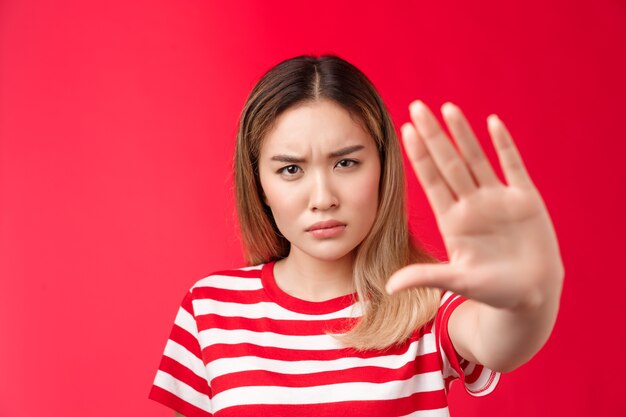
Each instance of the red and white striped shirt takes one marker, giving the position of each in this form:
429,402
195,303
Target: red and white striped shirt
241,346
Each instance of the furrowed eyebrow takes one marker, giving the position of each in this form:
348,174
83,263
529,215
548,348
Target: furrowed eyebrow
346,151
340,152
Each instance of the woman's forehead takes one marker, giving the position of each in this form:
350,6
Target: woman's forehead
321,126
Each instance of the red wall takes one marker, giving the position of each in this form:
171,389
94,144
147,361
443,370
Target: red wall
117,125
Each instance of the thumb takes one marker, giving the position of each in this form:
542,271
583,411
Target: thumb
443,276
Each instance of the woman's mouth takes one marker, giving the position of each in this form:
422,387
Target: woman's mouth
328,231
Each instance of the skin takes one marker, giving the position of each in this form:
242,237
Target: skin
502,248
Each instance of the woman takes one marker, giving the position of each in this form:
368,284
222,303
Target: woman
339,311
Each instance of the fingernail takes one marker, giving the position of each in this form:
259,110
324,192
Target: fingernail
389,289
447,108
416,106
493,119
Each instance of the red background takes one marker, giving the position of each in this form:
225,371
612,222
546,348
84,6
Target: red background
117,125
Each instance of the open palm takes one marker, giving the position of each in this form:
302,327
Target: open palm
501,243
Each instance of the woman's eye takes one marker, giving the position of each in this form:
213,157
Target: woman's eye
289,170
347,163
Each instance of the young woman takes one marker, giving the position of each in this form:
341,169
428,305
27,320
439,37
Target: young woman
339,311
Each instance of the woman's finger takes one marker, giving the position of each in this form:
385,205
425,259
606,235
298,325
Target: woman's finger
443,276
439,195
510,158
451,166
469,146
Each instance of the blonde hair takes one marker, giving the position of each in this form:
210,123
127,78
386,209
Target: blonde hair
386,320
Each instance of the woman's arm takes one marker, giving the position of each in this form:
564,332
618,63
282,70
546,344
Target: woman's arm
501,339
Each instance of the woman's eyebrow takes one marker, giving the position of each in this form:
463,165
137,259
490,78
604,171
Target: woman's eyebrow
335,154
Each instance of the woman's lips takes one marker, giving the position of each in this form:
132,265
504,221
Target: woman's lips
326,224
328,232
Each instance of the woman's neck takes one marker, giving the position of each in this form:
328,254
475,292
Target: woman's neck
312,279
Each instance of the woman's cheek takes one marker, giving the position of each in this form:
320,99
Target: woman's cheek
368,188
285,203
276,191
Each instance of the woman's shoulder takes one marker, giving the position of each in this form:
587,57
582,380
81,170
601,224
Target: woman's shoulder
235,278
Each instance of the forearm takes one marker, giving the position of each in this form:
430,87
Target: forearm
506,339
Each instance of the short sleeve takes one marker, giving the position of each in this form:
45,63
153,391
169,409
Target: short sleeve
477,379
181,381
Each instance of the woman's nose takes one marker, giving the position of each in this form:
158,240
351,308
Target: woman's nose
323,194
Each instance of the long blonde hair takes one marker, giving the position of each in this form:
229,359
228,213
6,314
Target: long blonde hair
386,320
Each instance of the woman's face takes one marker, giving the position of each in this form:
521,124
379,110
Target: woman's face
318,164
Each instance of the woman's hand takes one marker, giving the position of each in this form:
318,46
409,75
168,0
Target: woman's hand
501,243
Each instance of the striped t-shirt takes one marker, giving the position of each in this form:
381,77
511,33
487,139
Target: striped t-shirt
241,346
